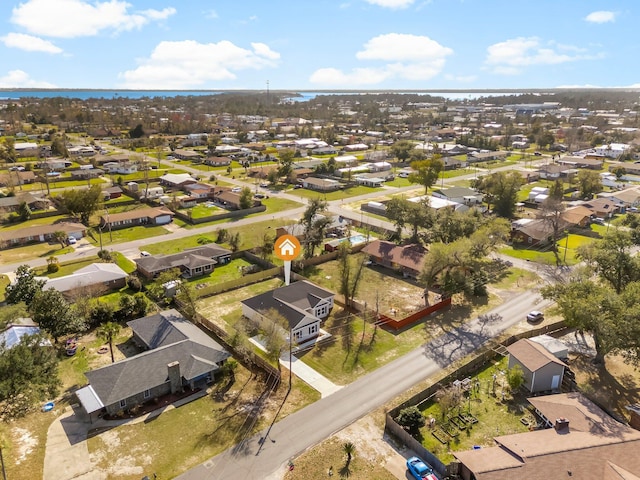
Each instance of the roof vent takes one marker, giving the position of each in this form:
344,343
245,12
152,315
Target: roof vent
561,424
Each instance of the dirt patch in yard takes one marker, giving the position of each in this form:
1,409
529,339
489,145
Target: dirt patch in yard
24,443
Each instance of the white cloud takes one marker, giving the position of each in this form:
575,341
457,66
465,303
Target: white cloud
511,56
601,16
408,57
77,18
391,3
358,76
189,64
403,47
211,14
20,79
461,78
29,43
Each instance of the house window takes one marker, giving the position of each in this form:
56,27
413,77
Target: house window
297,334
322,311
313,329
146,394
123,403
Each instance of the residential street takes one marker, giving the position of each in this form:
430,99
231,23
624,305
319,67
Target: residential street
318,421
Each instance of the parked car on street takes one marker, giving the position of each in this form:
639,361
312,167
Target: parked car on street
535,316
420,470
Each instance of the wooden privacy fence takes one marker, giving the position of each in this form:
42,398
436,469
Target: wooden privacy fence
468,368
396,324
246,357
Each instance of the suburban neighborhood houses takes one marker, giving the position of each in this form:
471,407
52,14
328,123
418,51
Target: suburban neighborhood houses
234,283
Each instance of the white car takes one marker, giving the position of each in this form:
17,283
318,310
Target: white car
535,316
236,189
144,253
72,240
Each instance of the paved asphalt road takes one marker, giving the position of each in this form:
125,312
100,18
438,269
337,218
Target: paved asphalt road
311,425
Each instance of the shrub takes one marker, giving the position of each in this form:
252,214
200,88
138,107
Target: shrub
411,419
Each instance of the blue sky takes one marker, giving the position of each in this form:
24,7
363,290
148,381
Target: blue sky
319,44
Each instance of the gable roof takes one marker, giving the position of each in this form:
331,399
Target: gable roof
409,256
67,227
532,355
90,275
176,339
190,258
149,212
294,302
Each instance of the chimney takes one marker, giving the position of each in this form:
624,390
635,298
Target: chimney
175,379
561,424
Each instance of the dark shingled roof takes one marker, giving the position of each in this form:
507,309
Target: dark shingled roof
171,338
294,302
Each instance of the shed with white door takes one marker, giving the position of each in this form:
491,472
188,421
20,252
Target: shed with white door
543,371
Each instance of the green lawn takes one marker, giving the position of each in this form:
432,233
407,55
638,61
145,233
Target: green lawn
37,222
570,242
127,235
497,414
29,252
223,273
277,204
68,268
398,182
250,236
123,262
202,211
336,195
359,347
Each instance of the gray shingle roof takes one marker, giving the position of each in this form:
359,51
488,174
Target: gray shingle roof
294,302
171,338
191,257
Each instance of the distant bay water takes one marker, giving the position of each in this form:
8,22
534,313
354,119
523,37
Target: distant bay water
299,96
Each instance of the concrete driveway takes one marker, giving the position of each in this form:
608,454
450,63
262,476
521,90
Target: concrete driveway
67,456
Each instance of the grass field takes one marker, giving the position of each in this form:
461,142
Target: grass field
336,195
250,236
127,235
29,252
567,250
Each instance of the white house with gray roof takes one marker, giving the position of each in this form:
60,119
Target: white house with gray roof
178,356
303,305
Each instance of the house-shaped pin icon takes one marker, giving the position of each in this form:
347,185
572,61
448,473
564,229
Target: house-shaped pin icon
287,248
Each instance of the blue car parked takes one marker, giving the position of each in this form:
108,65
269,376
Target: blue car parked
420,470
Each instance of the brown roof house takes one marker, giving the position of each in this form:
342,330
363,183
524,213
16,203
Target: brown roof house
40,233
132,218
303,305
530,232
584,443
406,259
543,371
192,262
178,356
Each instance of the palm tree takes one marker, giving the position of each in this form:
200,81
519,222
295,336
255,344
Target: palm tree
348,448
108,332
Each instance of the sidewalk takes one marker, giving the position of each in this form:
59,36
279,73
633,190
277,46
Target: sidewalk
307,374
